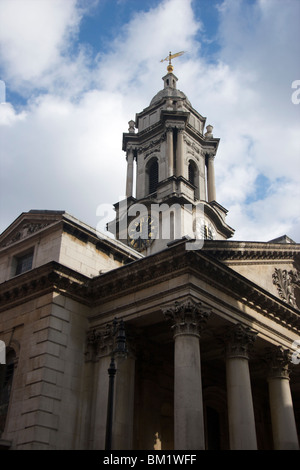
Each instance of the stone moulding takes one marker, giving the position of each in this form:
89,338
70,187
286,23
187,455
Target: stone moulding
54,277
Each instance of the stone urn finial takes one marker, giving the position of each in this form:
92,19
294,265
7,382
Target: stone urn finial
209,130
131,127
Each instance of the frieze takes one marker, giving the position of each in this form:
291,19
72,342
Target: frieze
153,145
193,148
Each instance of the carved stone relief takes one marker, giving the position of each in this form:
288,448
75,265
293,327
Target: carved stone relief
25,231
239,341
286,282
187,317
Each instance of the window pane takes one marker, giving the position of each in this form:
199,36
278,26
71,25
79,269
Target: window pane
24,263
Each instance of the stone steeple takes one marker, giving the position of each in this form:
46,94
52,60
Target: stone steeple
172,151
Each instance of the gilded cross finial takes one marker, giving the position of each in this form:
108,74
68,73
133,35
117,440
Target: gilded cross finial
171,56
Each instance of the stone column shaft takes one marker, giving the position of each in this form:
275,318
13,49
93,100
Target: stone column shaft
188,407
187,318
281,404
98,431
129,181
122,438
241,420
211,187
179,154
170,152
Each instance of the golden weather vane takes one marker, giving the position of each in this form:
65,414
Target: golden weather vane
171,56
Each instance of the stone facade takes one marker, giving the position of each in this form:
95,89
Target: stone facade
181,309
212,333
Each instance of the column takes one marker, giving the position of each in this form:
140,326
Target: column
99,348
179,154
187,318
122,438
129,181
99,407
241,420
281,404
170,151
211,187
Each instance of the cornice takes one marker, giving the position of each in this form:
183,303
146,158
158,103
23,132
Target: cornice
175,261
49,278
225,250
245,291
143,273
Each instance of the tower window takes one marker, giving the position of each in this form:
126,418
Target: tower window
153,176
192,173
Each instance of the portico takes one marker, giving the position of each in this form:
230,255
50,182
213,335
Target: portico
200,366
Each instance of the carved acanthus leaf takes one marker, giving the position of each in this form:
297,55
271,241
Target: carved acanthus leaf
286,281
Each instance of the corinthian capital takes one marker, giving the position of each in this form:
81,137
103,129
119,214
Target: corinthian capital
278,360
187,317
239,340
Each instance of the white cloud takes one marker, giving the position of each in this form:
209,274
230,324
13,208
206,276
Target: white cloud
65,155
64,151
35,34
247,97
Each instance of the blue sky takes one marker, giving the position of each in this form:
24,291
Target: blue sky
77,71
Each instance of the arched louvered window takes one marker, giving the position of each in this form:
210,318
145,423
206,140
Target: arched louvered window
153,175
192,173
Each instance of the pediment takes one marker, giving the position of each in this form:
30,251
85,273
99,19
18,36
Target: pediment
27,224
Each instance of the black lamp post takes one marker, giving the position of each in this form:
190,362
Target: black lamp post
121,351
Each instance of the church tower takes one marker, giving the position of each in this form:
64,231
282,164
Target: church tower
170,155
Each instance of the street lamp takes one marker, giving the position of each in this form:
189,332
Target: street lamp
121,351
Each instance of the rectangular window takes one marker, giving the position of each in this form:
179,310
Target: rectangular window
23,263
